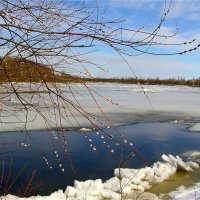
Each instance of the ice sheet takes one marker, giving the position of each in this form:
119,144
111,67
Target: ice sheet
111,98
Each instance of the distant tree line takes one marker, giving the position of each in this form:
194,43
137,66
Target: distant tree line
149,81
14,69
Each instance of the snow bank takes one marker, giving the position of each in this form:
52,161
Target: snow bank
130,183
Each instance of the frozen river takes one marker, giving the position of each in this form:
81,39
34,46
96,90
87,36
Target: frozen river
76,105
100,126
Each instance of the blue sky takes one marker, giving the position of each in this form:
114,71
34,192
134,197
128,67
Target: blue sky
147,13
184,14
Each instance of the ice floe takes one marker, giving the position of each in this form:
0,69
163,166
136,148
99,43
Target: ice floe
127,183
130,183
192,156
183,193
85,129
195,127
58,195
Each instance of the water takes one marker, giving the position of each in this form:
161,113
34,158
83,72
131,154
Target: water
39,155
38,162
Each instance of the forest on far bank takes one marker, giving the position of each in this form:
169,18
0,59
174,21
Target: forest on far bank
195,82
14,69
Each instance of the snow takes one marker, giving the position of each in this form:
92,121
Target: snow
130,183
192,156
121,98
58,195
180,164
118,98
195,127
83,129
183,193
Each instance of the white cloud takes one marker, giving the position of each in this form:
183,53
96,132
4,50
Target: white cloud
188,9
136,4
148,66
185,9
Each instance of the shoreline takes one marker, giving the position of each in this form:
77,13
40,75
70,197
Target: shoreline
130,183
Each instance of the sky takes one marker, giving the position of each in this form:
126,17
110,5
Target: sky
183,19
184,14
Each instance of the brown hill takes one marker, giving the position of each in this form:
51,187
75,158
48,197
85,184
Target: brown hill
14,69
